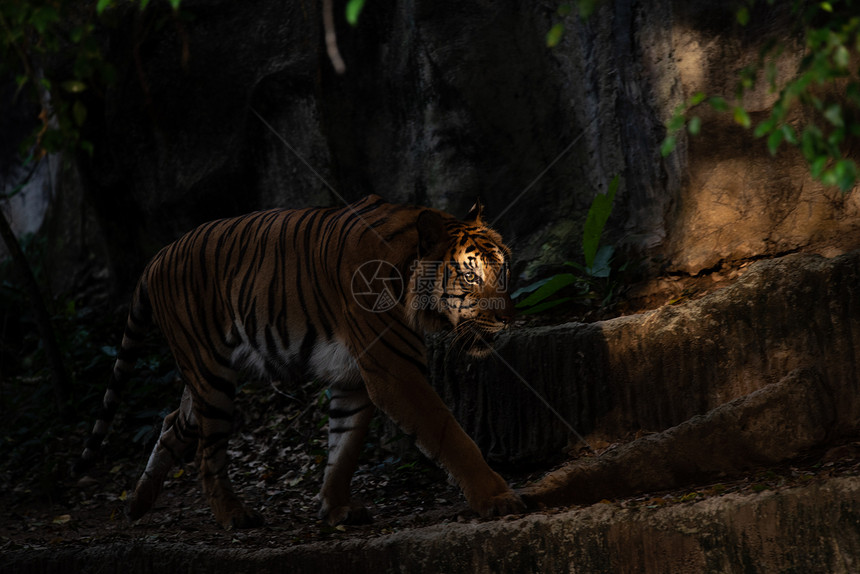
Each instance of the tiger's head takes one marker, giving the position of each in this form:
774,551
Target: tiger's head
460,279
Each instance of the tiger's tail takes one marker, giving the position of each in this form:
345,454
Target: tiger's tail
138,323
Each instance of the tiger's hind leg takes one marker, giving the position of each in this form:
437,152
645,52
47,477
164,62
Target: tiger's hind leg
204,424
350,412
214,412
178,438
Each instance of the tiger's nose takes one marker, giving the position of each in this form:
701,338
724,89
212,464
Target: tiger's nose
505,315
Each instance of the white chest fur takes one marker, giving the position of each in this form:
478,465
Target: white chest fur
332,362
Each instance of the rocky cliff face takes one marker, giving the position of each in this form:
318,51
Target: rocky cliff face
655,370
443,102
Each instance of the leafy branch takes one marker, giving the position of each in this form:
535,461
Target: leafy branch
583,8
831,35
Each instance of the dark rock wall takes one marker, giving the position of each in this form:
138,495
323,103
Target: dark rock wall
178,145
442,102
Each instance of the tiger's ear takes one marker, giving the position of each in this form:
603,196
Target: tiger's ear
475,212
431,232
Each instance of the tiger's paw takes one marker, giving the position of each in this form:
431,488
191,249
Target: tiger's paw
352,513
507,502
231,513
144,497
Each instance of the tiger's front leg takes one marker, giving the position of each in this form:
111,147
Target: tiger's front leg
405,395
350,412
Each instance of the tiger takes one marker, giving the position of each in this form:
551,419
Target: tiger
342,295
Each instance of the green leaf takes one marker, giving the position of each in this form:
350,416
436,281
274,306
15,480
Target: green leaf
529,288
816,168
577,266
788,134
586,7
741,117
835,138
695,125
743,16
846,174
764,127
544,306
774,140
829,177
43,17
668,145
718,103
353,11
810,140
834,115
564,10
748,76
555,283
676,123
553,37
598,214
103,5
853,89
697,99
841,57
602,262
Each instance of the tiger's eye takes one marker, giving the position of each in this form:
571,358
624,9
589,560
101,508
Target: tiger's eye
470,276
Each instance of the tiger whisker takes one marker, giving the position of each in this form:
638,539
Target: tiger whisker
458,341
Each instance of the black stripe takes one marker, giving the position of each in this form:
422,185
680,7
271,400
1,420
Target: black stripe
215,440
307,346
209,411
337,413
311,263
127,354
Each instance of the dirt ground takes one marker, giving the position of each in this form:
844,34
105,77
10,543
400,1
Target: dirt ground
282,480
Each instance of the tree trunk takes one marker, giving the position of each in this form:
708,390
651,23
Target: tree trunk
59,376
